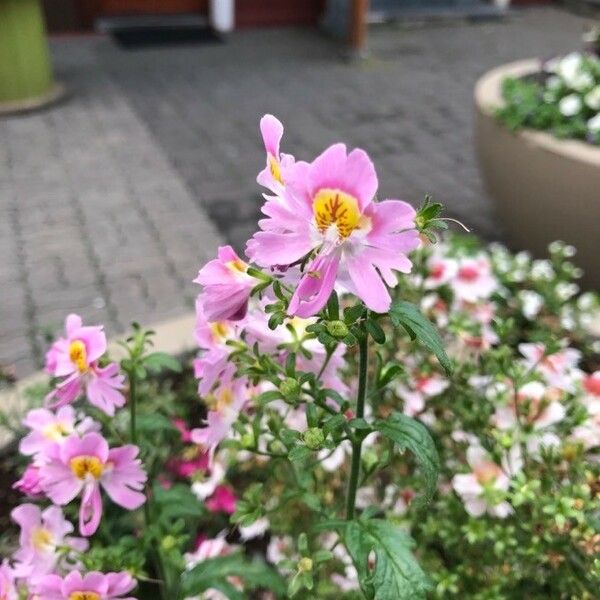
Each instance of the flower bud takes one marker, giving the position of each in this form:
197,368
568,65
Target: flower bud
314,438
337,329
168,542
248,440
305,564
290,388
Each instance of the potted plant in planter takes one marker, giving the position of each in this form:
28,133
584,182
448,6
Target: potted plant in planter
538,144
26,80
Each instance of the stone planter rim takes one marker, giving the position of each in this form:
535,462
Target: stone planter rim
488,97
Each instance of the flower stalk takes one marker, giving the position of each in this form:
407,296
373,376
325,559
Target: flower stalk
363,348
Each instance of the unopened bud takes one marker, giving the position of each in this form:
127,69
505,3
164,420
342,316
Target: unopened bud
337,329
168,542
289,388
313,438
305,564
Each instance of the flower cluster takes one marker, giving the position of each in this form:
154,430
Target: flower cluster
69,459
272,461
564,99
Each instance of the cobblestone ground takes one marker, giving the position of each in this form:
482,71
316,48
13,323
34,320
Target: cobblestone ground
104,199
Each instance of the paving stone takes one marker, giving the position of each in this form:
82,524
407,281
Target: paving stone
110,200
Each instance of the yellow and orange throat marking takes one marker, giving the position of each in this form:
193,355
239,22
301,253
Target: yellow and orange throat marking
334,207
41,538
237,266
78,355
219,329
84,596
275,169
221,401
86,465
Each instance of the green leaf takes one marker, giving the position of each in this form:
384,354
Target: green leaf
376,332
409,434
395,574
299,453
177,502
420,328
159,361
214,573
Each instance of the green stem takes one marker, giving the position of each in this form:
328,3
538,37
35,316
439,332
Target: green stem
132,408
363,348
158,562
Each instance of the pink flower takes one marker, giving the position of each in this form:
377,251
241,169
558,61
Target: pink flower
222,500
91,586
421,387
43,534
485,474
30,484
75,358
591,386
82,466
474,279
224,406
227,287
273,175
209,548
327,211
440,270
212,339
8,590
542,410
559,370
49,428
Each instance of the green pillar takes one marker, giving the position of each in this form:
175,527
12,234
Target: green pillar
25,71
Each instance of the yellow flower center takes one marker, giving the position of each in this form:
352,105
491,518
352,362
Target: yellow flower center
78,355
221,402
41,539
275,169
334,207
82,466
84,596
219,329
56,431
237,266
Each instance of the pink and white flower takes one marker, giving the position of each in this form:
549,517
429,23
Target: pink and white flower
49,428
559,369
471,487
227,287
327,211
8,588
419,389
588,432
536,407
43,534
225,405
440,270
84,465
473,279
75,357
91,586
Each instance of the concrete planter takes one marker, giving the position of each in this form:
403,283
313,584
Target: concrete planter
544,188
26,80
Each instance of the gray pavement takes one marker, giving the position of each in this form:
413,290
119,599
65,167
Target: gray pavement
109,202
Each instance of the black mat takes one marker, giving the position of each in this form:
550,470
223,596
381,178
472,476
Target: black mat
147,37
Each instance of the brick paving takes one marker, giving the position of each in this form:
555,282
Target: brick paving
105,198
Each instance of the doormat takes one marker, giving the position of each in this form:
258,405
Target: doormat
135,38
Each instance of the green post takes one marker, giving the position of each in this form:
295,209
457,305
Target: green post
25,70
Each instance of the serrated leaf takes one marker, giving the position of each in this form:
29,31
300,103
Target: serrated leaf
420,328
214,573
409,434
299,453
159,361
335,422
395,573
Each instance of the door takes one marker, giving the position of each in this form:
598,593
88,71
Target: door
123,7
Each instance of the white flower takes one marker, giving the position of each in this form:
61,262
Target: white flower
542,270
570,105
569,67
531,302
566,290
256,529
594,124
592,98
553,83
